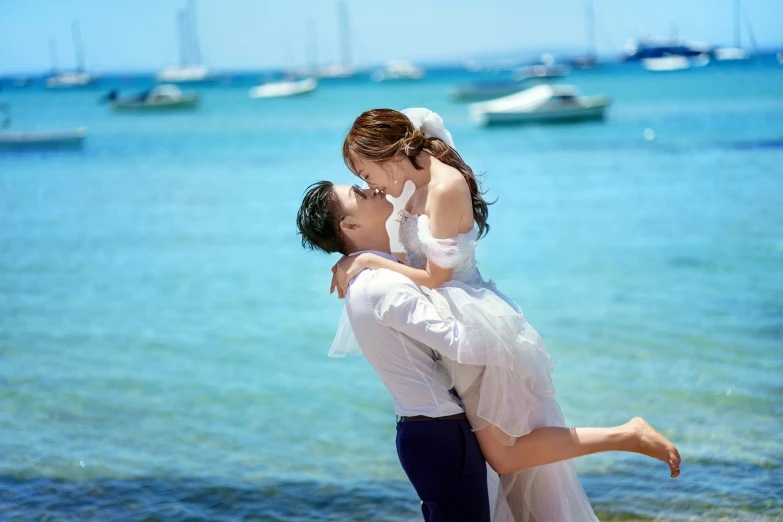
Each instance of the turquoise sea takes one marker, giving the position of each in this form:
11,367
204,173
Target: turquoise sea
163,336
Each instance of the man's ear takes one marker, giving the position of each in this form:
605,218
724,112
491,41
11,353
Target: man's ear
347,225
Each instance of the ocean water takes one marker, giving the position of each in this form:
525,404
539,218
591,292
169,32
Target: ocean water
163,336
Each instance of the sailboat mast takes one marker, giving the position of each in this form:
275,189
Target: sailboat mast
78,46
312,45
53,54
590,28
345,37
749,29
737,27
182,32
195,48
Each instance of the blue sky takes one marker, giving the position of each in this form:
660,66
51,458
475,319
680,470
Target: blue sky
139,35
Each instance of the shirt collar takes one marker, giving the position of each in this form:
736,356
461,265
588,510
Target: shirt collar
377,253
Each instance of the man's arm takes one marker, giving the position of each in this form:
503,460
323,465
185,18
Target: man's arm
399,304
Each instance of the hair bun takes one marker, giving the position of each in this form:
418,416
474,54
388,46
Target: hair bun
413,142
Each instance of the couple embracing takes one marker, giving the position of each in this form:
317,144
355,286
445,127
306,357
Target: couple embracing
471,380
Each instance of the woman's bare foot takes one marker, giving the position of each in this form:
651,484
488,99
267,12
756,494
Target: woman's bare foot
648,441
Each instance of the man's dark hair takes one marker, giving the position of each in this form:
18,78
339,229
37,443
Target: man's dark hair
318,219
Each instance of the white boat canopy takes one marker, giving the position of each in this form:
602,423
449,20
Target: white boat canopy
167,91
528,100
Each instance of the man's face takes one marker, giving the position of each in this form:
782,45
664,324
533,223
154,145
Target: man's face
366,211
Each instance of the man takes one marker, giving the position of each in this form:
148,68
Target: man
398,329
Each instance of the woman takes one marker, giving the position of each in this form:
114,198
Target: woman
505,383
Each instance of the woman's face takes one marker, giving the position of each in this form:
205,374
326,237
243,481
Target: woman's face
386,177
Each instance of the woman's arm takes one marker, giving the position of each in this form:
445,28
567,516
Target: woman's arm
431,277
447,205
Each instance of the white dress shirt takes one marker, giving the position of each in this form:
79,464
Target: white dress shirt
397,328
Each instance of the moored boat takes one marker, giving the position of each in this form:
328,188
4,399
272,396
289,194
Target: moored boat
398,70
674,63
541,104
42,139
190,68
481,91
159,98
70,79
284,89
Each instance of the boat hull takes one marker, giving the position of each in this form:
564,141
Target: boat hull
185,75
68,138
562,115
478,92
82,82
284,89
188,102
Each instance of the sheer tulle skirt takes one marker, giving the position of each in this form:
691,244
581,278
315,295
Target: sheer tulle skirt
506,382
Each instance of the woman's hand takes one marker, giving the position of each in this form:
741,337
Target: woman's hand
346,269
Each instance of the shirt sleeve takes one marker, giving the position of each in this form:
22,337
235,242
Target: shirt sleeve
400,305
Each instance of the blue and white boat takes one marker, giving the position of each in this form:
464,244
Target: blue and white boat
660,47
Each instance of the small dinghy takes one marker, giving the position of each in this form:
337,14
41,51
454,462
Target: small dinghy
42,139
284,89
160,98
13,140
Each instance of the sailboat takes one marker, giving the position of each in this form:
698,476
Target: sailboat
343,68
77,78
398,70
190,68
590,59
737,52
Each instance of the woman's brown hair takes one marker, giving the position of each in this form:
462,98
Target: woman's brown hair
380,134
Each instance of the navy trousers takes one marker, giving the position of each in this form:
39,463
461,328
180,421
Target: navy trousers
444,463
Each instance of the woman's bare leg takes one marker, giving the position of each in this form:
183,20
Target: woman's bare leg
552,444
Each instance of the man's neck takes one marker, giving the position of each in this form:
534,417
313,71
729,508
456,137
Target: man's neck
379,244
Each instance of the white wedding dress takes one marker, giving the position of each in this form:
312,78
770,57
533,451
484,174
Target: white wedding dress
506,382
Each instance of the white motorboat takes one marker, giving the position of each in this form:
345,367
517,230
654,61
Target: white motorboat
397,70
540,104
160,98
284,89
42,139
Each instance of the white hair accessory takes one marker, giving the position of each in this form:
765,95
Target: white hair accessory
430,124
